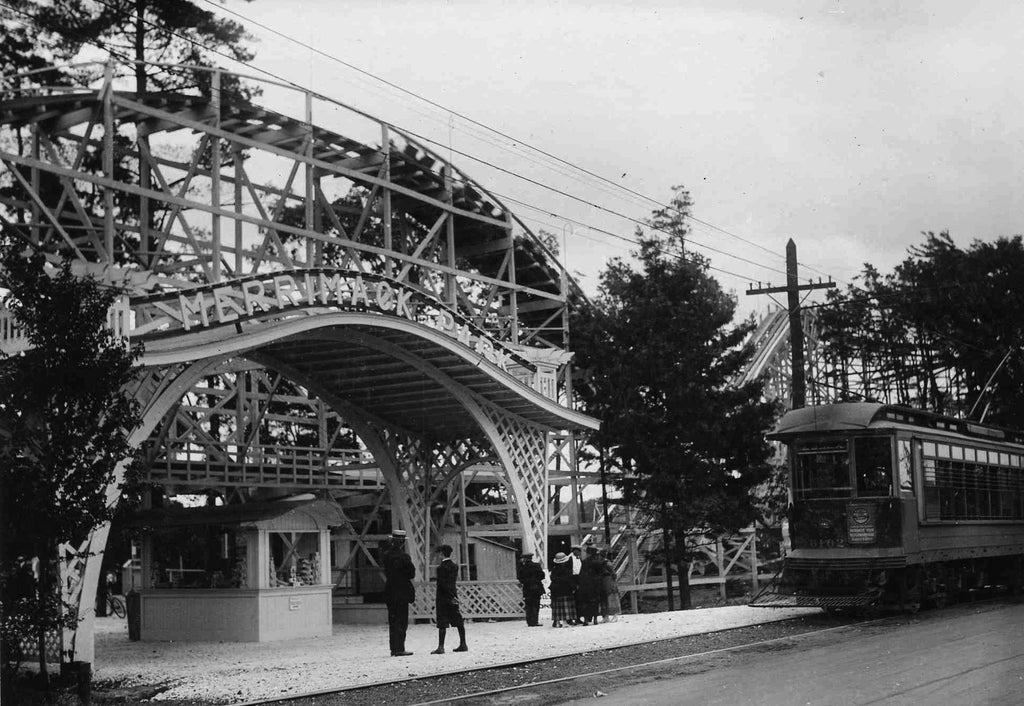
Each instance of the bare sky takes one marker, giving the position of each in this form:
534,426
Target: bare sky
849,126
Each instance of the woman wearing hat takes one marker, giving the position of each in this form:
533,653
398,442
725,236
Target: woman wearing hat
563,604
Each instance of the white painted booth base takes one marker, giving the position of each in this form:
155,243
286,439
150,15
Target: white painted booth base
235,615
259,576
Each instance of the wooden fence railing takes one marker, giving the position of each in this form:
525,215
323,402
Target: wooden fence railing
477,600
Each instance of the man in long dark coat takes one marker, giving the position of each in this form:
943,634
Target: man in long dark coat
448,612
588,595
399,592
531,577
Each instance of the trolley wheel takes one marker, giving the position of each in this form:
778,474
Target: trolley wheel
1016,575
911,591
936,583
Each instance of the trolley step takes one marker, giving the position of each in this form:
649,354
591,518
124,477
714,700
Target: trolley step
783,600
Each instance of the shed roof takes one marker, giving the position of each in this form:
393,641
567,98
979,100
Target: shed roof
322,514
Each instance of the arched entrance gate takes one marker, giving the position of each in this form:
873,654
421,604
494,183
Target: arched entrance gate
346,316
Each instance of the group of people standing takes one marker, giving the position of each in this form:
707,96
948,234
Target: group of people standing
581,588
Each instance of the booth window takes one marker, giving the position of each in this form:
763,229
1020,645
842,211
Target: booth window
296,559
203,556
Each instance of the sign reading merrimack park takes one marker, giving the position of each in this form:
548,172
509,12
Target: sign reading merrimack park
275,295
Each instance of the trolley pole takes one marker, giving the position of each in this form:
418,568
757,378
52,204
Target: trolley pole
792,290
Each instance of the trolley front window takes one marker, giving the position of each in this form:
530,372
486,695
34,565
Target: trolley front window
872,457
822,470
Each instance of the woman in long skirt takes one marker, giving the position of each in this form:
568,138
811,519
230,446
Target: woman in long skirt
563,604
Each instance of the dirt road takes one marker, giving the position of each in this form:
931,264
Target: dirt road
962,655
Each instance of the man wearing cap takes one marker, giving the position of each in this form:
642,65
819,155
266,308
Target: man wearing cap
531,577
399,592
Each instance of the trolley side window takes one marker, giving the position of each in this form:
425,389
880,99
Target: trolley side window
963,482
822,469
872,458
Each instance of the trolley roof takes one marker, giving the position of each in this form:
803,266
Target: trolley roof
858,416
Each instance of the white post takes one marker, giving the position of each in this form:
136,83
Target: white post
325,557
263,559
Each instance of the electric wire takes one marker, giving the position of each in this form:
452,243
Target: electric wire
642,223
601,179
403,130
111,51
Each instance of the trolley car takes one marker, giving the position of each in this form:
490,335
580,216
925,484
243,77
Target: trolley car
897,507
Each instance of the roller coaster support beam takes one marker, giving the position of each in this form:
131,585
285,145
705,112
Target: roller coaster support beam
796,331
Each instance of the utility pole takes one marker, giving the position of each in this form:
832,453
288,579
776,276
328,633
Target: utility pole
604,501
796,330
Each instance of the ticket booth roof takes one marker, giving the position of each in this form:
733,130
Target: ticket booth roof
312,515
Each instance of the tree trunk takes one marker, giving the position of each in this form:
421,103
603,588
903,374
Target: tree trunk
685,601
667,546
43,587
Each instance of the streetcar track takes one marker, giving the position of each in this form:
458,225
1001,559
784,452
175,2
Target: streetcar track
546,659
641,665
633,665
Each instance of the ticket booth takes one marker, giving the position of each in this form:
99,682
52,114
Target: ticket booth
252,572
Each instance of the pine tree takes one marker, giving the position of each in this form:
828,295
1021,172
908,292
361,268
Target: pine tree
943,331
167,32
658,352
65,418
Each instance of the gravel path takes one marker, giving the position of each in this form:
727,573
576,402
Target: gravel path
357,655
547,681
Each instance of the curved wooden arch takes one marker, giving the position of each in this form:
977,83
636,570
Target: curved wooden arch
227,341
413,218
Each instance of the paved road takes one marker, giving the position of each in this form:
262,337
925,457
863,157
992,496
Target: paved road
962,655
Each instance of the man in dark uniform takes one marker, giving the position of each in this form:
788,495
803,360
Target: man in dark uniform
531,577
398,591
448,613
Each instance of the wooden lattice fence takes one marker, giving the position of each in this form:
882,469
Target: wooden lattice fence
30,652
477,600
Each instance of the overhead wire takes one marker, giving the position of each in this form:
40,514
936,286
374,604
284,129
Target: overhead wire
110,50
642,223
602,180
630,241
421,137
517,141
